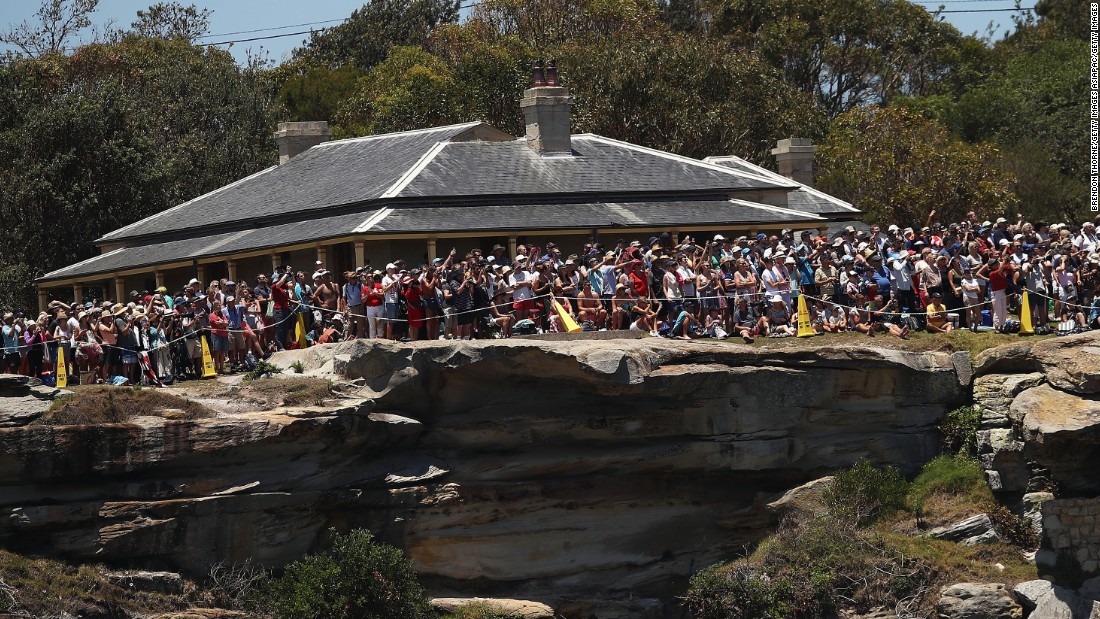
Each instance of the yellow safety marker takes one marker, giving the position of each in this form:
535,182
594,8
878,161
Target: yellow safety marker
567,321
1025,316
805,328
208,370
62,370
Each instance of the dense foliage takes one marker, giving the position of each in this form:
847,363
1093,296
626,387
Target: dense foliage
357,578
911,114
837,560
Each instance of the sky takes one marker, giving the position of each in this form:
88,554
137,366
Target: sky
278,17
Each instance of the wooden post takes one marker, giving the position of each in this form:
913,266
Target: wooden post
322,257
159,276
42,299
431,249
200,274
231,266
360,253
512,241
275,262
120,290
78,294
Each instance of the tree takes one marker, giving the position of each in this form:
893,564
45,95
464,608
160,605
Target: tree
168,20
897,165
364,39
678,93
59,21
848,54
116,132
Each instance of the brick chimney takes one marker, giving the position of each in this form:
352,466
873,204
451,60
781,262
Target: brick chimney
295,138
546,108
795,157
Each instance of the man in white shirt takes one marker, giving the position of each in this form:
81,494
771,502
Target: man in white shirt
776,278
523,288
390,283
1087,241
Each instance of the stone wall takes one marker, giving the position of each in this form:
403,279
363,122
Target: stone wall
1040,438
1072,527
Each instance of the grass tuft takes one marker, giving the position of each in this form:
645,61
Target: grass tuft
99,404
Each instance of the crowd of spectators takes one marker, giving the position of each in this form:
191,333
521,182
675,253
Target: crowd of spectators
937,278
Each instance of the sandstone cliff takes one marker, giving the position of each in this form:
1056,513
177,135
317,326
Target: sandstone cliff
578,473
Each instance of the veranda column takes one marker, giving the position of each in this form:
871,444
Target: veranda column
431,249
512,247
360,253
120,290
42,302
159,276
200,274
78,293
322,256
231,267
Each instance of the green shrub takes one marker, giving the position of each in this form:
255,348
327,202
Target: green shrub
1014,529
262,369
865,493
358,578
738,591
808,570
950,475
298,367
959,429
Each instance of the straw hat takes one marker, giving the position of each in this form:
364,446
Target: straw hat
118,309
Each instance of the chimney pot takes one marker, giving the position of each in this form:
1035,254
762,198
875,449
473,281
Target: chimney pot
795,159
294,138
537,75
552,73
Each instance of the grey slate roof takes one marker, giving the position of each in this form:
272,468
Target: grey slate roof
599,165
716,211
416,165
805,198
334,173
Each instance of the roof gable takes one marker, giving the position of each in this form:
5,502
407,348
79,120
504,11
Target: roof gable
805,198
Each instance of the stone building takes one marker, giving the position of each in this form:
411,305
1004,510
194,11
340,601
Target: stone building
417,194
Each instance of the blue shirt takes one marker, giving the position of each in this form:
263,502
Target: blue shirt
354,293
11,339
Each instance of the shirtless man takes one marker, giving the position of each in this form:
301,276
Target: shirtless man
590,307
326,297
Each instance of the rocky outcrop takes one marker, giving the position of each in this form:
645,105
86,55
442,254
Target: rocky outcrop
971,600
24,399
1040,440
520,609
592,476
970,532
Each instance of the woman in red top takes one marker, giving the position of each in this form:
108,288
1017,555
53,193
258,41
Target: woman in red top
998,282
219,329
638,280
415,303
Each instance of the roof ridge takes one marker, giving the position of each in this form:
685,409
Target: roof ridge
392,134
411,174
673,156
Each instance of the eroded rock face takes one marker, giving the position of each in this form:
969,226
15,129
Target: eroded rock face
598,474
971,600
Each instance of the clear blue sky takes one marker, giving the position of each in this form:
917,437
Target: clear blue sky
231,16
